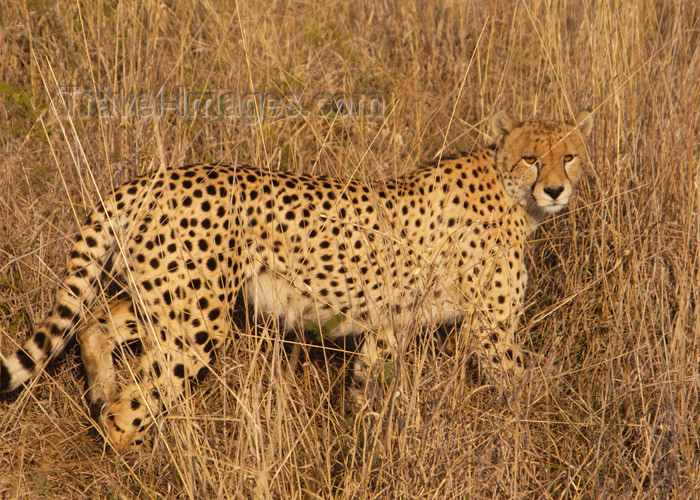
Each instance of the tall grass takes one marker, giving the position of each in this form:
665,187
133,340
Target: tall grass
609,405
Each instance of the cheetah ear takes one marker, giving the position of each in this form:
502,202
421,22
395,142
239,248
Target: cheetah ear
503,123
584,122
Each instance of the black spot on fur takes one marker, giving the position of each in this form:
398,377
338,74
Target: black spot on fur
64,312
4,376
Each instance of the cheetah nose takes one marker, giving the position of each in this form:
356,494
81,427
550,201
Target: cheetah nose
554,192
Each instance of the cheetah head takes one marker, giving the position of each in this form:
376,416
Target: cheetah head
540,161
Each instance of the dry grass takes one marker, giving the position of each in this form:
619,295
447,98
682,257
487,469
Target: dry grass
610,404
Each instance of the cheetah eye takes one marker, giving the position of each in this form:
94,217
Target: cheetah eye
568,158
530,160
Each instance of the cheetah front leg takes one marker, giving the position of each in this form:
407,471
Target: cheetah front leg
373,364
492,314
499,355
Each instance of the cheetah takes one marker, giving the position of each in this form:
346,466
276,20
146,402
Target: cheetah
441,244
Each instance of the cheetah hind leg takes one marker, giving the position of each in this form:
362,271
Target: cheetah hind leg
161,376
105,329
125,414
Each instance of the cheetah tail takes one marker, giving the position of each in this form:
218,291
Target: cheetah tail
88,266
